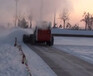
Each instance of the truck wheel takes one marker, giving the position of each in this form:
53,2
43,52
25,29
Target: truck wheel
32,39
25,38
51,42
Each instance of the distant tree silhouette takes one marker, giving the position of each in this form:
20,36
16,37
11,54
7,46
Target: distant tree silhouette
88,19
68,26
30,19
60,26
75,27
54,23
22,23
64,16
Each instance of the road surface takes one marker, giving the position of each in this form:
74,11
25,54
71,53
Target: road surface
62,63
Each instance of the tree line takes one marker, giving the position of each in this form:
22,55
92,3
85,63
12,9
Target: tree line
87,18
64,17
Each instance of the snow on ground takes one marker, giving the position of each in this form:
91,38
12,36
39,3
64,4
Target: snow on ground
67,31
77,46
37,65
10,62
10,59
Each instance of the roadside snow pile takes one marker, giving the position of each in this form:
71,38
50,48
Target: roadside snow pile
71,32
10,36
37,66
10,58
10,62
18,34
3,31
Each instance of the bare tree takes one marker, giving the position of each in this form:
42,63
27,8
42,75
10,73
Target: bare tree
88,19
30,19
16,14
60,26
64,16
54,21
91,22
22,23
75,27
68,26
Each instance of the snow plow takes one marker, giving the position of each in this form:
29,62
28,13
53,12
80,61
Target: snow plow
41,35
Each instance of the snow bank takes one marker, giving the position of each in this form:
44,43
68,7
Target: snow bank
10,62
10,35
10,57
71,32
3,31
37,66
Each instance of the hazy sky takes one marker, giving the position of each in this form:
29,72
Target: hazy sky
79,7
25,7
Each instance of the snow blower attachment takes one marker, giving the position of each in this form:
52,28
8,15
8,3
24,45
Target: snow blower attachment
41,35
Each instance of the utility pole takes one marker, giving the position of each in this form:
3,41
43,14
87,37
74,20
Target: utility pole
54,20
41,10
16,16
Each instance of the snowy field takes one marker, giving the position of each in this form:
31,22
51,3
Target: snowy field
80,47
11,59
10,62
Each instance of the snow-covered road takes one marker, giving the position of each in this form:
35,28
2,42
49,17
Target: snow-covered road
63,63
78,46
37,66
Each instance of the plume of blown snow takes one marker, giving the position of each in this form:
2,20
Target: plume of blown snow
43,9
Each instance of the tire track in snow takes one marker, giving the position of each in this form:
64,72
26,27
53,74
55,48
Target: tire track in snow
62,63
